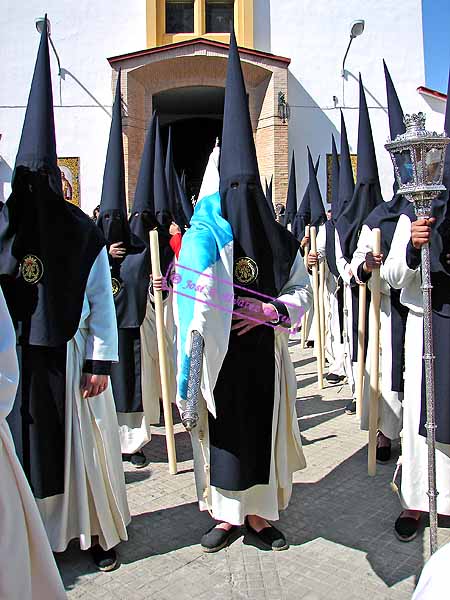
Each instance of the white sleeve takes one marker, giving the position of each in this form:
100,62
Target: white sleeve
9,368
342,265
321,242
102,343
297,294
395,269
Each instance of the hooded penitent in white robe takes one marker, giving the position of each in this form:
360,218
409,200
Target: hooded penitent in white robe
94,502
27,567
414,446
346,274
334,348
390,402
135,428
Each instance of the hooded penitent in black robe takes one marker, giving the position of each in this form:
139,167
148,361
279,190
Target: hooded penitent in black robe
47,249
240,436
366,197
385,216
129,275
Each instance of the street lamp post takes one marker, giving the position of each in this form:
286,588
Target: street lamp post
418,157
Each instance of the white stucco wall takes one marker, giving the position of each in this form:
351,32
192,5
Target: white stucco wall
313,33
85,33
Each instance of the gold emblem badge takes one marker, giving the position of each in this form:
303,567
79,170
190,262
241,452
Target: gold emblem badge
116,286
31,268
245,270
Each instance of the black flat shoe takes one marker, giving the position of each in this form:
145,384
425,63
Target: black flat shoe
215,538
138,460
310,344
105,560
406,528
269,536
350,409
333,378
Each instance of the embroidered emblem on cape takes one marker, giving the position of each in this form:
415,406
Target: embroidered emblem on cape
116,286
31,268
245,270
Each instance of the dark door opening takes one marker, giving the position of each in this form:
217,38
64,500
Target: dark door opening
193,141
195,115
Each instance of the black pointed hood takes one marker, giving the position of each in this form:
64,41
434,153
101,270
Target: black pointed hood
170,177
184,206
291,201
269,198
112,218
131,273
346,179
318,214
37,146
386,215
177,199
142,217
303,216
163,210
47,245
335,168
237,152
256,234
395,111
367,193
330,249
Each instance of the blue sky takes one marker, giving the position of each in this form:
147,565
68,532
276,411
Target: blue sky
436,33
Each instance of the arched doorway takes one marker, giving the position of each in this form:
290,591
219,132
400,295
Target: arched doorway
195,115
197,68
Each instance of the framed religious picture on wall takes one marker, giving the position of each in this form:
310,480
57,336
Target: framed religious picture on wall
70,178
353,158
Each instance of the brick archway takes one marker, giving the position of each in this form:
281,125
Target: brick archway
203,63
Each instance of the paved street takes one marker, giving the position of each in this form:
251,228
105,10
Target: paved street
339,525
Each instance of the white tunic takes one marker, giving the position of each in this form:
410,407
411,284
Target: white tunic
94,501
334,348
414,446
287,455
27,567
390,403
346,274
135,428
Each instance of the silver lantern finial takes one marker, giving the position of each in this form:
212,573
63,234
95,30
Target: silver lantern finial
418,156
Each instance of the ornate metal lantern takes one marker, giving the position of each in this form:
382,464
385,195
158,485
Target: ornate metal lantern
418,156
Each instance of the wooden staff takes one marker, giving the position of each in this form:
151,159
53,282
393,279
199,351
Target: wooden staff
322,308
318,340
163,370
305,316
374,316
361,345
